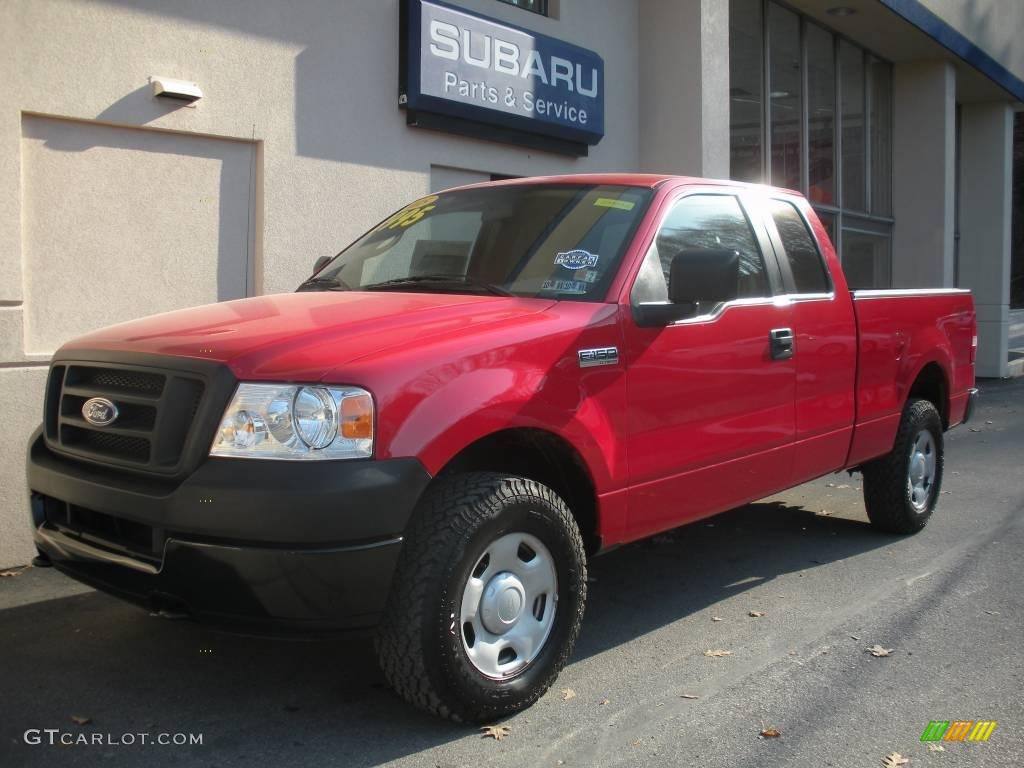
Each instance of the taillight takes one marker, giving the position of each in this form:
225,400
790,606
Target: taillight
974,348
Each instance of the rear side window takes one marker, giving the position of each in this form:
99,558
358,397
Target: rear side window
804,258
703,222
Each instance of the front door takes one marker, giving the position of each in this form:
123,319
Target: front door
711,405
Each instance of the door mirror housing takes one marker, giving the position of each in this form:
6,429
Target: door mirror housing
700,277
704,276
320,263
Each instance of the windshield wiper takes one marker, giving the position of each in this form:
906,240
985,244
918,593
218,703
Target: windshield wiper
324,284
399,282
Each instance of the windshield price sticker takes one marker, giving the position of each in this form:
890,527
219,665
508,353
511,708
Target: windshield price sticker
608,202
408,215
576,259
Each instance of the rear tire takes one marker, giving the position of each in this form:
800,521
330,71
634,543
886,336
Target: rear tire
902,487
488,599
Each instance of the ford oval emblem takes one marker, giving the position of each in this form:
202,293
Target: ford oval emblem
99,411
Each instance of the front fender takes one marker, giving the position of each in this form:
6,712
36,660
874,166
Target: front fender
584,407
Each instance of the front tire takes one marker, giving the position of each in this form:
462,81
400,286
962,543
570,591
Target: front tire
488,599
902,487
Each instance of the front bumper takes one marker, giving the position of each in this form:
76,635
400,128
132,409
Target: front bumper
239,541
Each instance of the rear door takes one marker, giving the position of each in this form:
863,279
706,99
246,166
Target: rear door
711,412
825,331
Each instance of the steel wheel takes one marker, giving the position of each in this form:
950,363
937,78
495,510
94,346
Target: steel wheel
508,605
921,472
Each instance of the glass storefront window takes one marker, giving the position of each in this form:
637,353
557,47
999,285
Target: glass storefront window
821,115
746,81
820,107
867,254
851,72
880,80
786,94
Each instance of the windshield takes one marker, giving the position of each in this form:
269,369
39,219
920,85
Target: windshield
560,241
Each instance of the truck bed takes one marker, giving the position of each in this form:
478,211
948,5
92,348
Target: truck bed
899,333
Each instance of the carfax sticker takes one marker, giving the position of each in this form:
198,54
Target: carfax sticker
576,259
565,286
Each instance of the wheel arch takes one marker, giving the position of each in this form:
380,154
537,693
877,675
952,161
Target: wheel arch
932,383
540,455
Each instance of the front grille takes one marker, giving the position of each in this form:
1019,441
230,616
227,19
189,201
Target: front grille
156,411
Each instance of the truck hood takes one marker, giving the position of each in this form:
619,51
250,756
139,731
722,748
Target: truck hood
303,336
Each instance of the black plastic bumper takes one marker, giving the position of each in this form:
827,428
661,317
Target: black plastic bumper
302,544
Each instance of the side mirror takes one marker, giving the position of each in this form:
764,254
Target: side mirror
696,277
320,263
704,276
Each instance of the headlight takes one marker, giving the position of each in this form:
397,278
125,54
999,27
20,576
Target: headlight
282,421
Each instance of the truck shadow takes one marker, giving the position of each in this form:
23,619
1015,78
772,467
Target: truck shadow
284,700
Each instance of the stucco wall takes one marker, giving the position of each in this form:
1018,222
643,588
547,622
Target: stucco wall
994,26
306,92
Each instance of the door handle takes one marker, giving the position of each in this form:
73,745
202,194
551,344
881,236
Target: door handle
782,343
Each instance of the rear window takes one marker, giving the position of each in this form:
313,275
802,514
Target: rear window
803,255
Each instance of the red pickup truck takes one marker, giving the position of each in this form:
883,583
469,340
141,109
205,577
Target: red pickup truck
439,427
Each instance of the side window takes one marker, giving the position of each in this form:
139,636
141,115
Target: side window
703,222
804,258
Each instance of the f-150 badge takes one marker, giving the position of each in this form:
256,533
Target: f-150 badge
599,356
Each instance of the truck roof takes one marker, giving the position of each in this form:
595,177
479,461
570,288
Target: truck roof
650,180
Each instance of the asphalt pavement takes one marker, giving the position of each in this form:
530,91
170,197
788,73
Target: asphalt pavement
947,604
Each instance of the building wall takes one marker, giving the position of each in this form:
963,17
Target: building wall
993,25
114,204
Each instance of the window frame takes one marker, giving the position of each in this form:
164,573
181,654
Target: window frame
775,236
754,218
544,9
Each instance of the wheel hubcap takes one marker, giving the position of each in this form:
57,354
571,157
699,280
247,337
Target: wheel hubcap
921,472
508,605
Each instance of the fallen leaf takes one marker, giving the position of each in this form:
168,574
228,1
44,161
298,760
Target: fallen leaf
878,651
973,429
990,422
635,743
80,720
496,732
895,759
770,733
568,693
602,702
825,513
688,696
992,613
717,653
854,637
716,618
755,614
936,748
842,487
15,571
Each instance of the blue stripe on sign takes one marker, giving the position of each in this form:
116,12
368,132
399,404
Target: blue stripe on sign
937,29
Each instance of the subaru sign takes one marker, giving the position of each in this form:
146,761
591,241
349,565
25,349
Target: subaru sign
462,65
